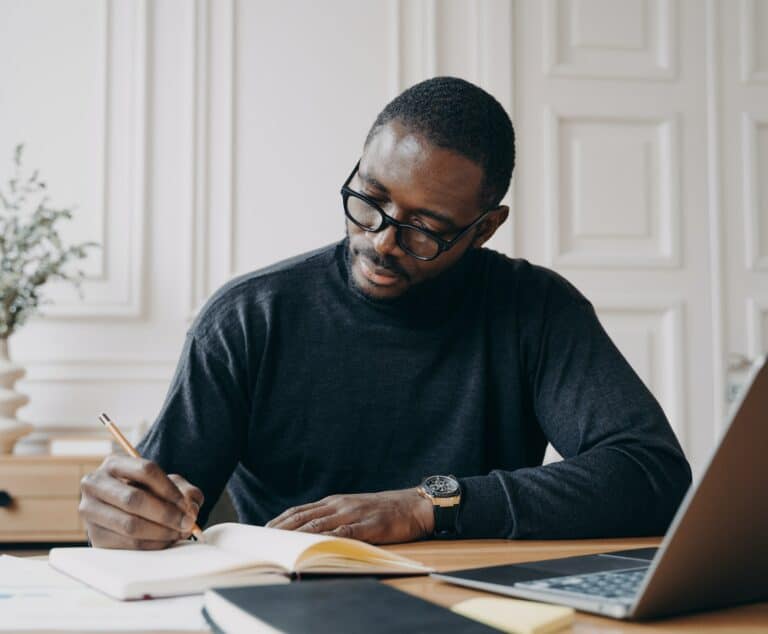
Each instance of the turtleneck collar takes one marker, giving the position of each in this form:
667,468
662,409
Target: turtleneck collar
428,304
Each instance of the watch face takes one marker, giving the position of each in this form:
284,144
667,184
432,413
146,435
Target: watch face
441,486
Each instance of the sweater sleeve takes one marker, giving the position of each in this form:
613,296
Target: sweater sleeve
200,430
623,471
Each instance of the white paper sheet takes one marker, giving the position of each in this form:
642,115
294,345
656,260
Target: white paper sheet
33,596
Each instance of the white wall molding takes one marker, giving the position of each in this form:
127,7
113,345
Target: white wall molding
750,36
68,395
198,168
663,319
415,23
395,45
212,163
756,252
118,290
99,371
658,245
757,326
493,25
715,216
654,59
430,42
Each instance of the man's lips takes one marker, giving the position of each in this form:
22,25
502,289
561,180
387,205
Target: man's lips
379,276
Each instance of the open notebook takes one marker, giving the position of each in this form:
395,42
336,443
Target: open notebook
232,555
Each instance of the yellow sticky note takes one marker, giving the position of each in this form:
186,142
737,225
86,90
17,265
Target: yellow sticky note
516,616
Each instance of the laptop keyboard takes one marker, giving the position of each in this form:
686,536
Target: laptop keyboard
617,585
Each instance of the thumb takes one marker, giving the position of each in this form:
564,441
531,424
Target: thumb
191,493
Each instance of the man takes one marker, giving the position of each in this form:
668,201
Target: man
325,388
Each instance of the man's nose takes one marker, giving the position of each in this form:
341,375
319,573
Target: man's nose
385,241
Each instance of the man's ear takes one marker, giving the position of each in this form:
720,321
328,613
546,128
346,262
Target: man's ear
489,224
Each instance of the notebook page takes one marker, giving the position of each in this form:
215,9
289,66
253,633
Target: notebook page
292,549
355,554
37,598
259,543
116,571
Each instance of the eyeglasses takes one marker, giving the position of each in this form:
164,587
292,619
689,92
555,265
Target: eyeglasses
415,241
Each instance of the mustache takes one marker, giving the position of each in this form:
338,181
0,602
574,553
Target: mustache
381,262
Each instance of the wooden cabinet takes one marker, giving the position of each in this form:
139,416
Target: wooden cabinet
39,496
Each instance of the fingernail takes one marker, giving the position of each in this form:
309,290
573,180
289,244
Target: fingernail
187,522
194,509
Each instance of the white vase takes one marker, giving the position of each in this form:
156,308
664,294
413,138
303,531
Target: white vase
11,429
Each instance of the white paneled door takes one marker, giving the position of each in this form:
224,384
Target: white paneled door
743,163
613,131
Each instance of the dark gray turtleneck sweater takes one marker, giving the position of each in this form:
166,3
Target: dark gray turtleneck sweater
292,385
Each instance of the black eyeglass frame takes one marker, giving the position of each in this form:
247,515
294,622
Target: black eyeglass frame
442,244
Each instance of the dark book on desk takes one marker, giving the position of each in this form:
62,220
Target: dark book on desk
359,605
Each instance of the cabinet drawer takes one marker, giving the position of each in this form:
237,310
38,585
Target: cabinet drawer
40,480
40,515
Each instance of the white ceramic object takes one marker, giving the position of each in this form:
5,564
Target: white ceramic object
11,429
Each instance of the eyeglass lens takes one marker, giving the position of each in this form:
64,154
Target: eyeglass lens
411,240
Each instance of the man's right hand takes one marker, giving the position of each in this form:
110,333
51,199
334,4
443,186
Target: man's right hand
131,503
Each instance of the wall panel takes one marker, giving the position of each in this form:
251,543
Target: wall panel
755,160
613,186
609,39
754,47
92,142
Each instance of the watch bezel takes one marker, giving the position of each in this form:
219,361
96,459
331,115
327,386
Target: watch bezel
441,495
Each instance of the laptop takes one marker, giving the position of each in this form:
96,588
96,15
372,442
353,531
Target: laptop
714,554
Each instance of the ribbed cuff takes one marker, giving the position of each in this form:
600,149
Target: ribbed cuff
484,511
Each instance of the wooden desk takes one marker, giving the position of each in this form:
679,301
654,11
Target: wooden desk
40,495
444,556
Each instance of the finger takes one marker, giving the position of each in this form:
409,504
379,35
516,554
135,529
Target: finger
327,523
104,538
289,515
350,531
136,501
95,511
146,473
191,493
295,509
301,517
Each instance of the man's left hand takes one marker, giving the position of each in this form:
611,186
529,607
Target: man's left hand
387,517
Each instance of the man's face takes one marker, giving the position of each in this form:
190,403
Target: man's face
416,182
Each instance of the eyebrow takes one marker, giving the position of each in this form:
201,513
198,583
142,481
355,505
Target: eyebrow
435,215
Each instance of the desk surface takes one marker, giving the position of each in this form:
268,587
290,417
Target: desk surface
444,556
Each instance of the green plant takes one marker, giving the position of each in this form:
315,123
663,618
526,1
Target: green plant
31,249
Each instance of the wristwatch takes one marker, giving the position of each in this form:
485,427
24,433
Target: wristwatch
444,492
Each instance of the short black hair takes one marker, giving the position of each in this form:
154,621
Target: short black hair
457,115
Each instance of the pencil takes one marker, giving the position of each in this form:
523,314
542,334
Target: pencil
105,420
